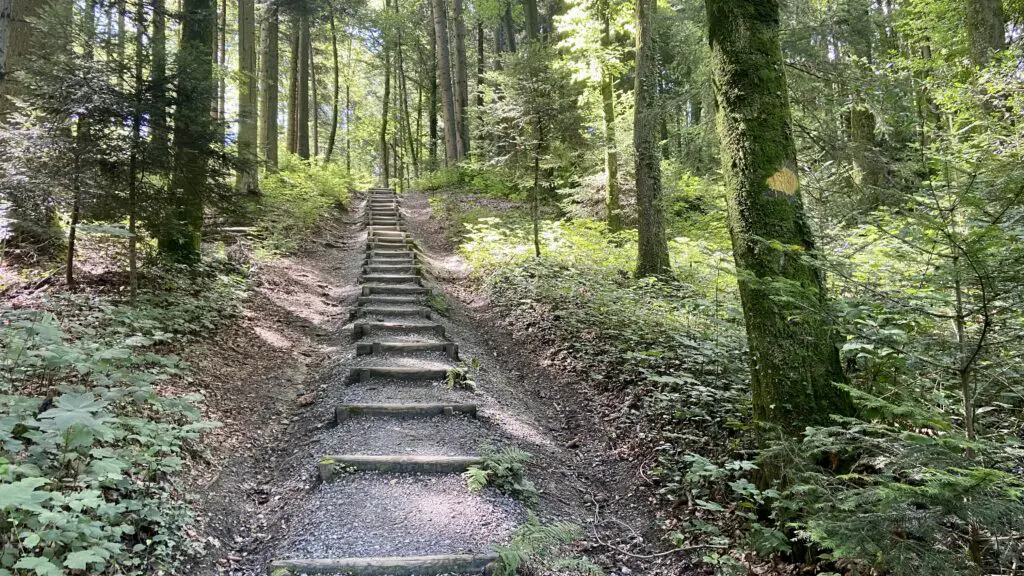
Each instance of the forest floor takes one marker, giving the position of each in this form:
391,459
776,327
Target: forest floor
272,380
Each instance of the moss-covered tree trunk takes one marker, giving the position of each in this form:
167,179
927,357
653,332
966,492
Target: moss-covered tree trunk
793,354
193,132
292,136
652,257
6,8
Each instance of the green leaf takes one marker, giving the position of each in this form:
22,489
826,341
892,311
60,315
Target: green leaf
40,566
23,493
80,560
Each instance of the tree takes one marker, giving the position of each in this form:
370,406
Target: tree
336,100
6,7
20,42
270,70
611,154
793,356
247,181
444,75
652,257
303,60
461,85
986,29
193,132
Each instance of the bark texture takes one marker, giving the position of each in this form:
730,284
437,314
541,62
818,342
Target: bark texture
270,70
793,356
652,257
302,92
248,94
444,76
5,32
21,39
193,131
611,153
986,28
461,80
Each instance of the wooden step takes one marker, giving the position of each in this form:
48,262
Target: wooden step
346,411
366,373
393,268
395,289
396,566
364,327
390,311
391,278
389,300
332,466
379,348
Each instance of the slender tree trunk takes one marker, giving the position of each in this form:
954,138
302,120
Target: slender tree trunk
6,7
403,98
652,257
444,74
385,168
793,356
611,153
315,114
537,148
302,101
293,88
136,150
193,132
432,100
336,88
480,67
82,140
247,181
349,113
986,29
461,80
222,73
160,141
509,25
270,71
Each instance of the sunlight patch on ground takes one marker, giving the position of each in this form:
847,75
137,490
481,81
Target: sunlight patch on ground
275,339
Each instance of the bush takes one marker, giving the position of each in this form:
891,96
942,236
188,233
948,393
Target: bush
298,199
92,442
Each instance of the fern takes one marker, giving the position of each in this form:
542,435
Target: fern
505,470
539,548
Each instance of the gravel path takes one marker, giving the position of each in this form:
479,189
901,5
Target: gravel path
400,515
440,436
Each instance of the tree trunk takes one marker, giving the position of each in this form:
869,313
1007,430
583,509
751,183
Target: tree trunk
21,40
133,161
432,101
532,17
986,29
403,98
293,88
302,97
337,90
793,356
611,153
349,112
82,138
247,181
444,67
480,66
461,80
652,257
222,73
6,7
315,107
270,70
193,131
385,167
160,142
509,25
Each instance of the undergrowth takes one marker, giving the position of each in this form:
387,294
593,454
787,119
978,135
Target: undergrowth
503,469
93,431
898,490
297,199
538,549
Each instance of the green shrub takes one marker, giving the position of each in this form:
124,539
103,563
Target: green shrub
91,443
505,470
297,199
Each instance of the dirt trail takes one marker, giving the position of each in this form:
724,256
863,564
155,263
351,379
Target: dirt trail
343,440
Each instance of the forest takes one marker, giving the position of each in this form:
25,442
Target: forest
776,245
